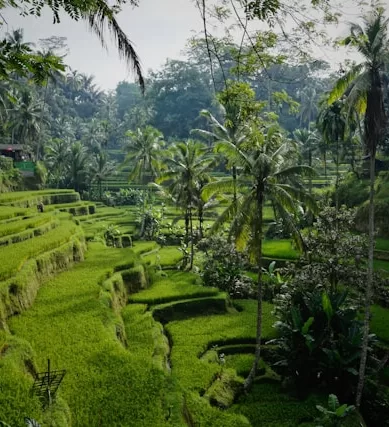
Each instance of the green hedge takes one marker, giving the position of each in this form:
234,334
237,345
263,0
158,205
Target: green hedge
145,335
8,212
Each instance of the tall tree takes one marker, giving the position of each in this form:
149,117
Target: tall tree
266,163
188,164
100,169
362,88
332,123
143,148
308,143
57,159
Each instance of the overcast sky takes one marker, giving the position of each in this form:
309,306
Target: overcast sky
159,29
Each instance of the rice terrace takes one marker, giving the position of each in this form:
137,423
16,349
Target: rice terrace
204,244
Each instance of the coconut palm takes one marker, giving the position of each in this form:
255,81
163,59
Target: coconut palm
187,167
57,159
234,134
308,143
267,174
78,166
26,118
362,89
332,123
100,169
308,110
144,150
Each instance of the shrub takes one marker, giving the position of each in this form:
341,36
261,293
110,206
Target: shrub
320,337
352,191
223,265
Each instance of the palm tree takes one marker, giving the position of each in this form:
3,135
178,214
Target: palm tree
362,88
57,159
26,118
187,169
332,123
93,135
144,148
234,134
78,166
53,76
308,109
267,165
100,169
308,142
16,38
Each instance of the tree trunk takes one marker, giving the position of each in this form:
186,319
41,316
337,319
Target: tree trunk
201,220
41,121
369,285
187,226
143,219
325,164
250,379
310,165
234,183
191,239
337,178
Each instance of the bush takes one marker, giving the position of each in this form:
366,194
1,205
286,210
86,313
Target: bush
352,191
223,266
320,339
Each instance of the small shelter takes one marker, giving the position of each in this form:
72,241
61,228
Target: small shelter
21,158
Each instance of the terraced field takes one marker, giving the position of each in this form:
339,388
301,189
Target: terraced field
142,343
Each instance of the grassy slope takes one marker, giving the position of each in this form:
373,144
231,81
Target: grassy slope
105,384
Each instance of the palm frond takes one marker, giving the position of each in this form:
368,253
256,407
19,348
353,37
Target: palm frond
301,170
221,186
227,215
344,83
105,16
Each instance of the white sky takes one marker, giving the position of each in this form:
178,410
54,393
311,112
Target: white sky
159,29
